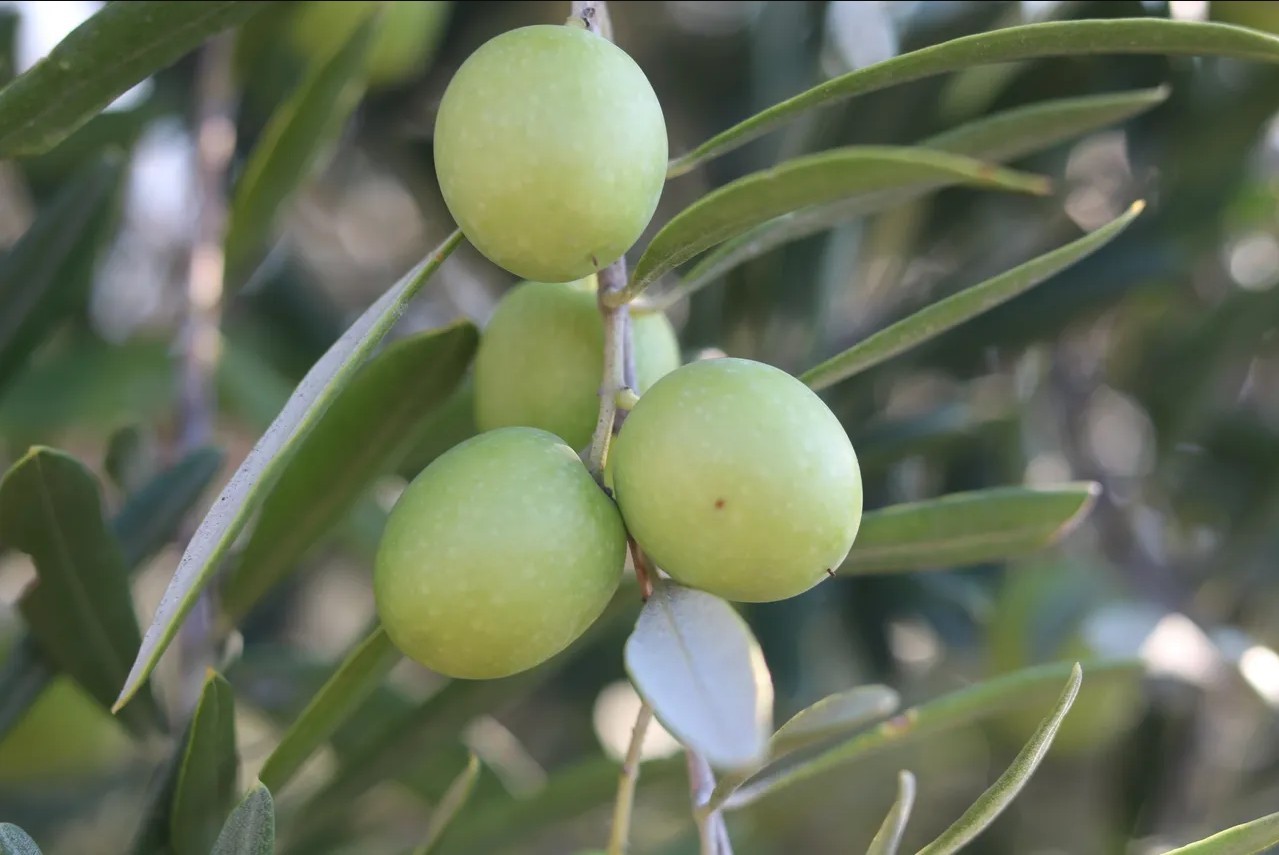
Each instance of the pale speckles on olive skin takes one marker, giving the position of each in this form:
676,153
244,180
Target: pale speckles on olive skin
498,556
541,359
737,479
550,148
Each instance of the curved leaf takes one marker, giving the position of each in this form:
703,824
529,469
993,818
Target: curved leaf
694,660
362,435
1247,839
997,138
454,800
957,308
101,59
936,716
37,285
250,483
967,528
1031,41
834,715
1001,793
292,141
341,695
80,611
250,829
803,182
15,841
889,837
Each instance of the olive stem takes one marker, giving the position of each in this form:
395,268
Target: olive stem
627,780
594,16
616,324
711,829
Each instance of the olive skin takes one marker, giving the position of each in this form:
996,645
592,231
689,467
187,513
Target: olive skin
541,359
551,151
737,479
497,556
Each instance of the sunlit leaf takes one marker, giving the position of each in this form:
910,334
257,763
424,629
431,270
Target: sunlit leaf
967,304
841,174
889,837
1247,839
117,48
1055,38
80,611
250,829
15,841
967,528
351,684
364,433
257,474
696,663
1001,793
292,141
946,713
834,715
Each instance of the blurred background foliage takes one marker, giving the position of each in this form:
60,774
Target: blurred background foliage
1151,367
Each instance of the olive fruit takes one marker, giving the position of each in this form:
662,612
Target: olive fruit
550,149
737,479
403,44
497,556
541,359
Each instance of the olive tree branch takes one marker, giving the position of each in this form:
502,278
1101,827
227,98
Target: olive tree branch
616,331
201,340
627,780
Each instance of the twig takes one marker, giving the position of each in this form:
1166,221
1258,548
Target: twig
611,280
643,570
629,777
200,336
711,830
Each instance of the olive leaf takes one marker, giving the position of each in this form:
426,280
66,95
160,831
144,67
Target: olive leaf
1246,839
15,841
889,837
250,829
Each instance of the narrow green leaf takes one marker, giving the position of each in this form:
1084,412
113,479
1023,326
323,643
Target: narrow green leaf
1001,793
15,841
994,139
454,800
889,837
250,829
943,714
364,434
205,786
1024,130
967,528
37,287
103,58
292,142
251,482
80,611
1032,41
23,677
351,684
1247,839
967,304
153,514
803,182
834,715
450,423
695,661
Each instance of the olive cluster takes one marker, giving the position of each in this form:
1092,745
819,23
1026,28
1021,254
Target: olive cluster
731,475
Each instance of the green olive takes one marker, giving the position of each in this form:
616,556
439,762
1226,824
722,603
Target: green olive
497,556
550,149
541,359
404,43
737,479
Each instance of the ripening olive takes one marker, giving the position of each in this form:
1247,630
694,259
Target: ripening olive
737,479
550,149
497,556
541,359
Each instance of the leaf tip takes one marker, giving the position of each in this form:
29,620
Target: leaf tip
1136,207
